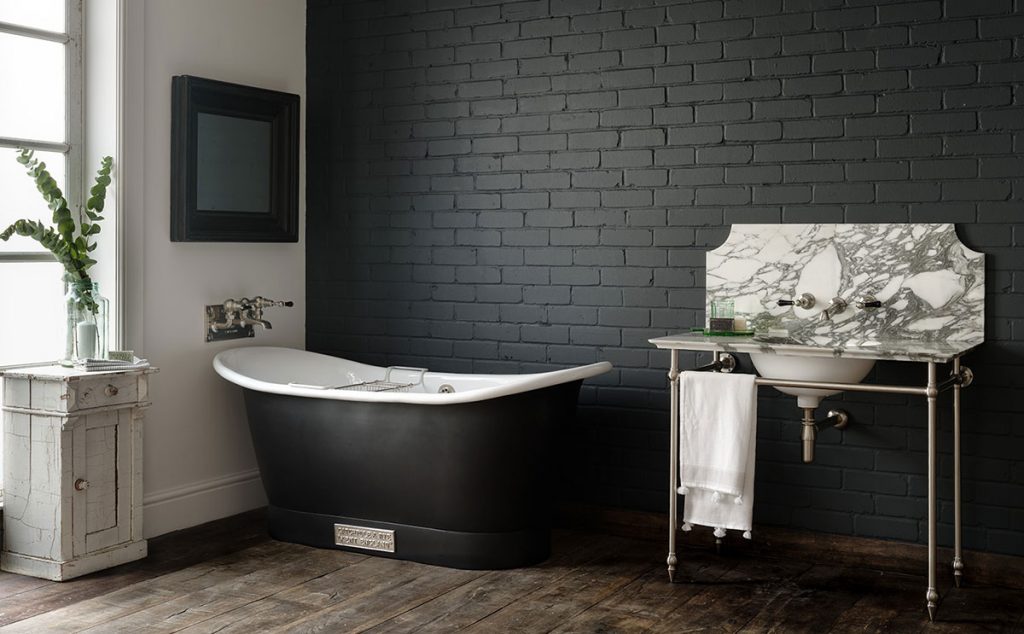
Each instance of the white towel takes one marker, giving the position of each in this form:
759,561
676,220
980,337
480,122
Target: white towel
717,429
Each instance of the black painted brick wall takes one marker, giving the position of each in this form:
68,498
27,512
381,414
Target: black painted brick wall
516,186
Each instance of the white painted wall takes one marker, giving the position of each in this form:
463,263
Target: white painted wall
199,462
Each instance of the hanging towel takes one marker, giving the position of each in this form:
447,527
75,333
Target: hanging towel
717,429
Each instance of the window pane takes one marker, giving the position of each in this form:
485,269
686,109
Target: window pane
32,312
21,199
39,14
32,97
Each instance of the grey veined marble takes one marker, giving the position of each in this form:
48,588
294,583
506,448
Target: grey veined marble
931,286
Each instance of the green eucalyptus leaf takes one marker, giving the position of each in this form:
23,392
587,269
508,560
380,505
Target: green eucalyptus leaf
59,238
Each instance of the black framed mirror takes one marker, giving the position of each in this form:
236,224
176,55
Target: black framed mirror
234,162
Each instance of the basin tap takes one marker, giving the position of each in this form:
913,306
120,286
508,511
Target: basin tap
805,301
836,306
253,321
252,313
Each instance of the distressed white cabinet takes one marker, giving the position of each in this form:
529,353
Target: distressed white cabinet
72,465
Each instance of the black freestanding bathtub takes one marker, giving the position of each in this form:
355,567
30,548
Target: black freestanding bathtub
446,469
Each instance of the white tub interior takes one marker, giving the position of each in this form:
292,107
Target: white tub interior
302,373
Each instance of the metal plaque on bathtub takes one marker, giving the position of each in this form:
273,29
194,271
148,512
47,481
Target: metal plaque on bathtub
364,537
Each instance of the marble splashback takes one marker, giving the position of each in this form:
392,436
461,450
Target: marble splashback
931,286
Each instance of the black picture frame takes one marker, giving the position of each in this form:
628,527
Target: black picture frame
266,121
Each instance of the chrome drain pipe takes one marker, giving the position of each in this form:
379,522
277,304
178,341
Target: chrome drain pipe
809,435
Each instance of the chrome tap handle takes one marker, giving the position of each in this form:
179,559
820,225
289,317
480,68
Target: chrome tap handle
868,301
263,302
806,300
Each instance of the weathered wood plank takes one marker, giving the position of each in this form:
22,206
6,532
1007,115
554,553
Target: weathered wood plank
12,584
168,553
814,600
364,612
497,589
230,577
990,569
895,603
284,571
352,598
585,586
647,601
160,591
736,597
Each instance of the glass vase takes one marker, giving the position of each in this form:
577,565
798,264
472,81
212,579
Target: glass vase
87,312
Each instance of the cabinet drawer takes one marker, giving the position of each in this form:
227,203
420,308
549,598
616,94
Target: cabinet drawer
103,391
65,390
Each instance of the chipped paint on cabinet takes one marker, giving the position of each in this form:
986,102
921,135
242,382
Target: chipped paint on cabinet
72,470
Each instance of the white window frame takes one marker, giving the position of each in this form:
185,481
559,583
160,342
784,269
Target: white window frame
74,137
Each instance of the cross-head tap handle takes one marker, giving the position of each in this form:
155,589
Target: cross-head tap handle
806,300
263,302
868,301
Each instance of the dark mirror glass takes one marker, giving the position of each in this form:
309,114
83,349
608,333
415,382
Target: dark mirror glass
233,164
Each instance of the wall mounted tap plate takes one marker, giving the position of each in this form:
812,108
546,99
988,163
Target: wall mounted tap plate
214,314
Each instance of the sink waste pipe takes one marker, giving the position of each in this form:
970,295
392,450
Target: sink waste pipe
836,418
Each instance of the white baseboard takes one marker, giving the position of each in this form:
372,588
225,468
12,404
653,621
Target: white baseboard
200,502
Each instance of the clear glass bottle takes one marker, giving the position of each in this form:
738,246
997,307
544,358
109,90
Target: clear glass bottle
87,314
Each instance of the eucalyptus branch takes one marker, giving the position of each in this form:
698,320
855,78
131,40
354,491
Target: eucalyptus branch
68,241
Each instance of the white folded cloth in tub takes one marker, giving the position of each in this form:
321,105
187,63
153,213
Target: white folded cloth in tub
717,439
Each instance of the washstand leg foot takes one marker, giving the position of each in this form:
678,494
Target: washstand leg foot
958,571
933,603
672,568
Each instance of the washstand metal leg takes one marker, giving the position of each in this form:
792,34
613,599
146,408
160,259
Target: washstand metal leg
673,467
932,596
958,563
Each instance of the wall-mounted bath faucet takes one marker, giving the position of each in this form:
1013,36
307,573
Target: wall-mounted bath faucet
806,300
836,306
234,319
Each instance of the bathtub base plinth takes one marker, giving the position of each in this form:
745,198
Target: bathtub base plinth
453,549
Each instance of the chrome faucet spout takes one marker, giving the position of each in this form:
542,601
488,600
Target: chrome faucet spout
836,306
256,322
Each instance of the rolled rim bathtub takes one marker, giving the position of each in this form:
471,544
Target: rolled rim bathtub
458,478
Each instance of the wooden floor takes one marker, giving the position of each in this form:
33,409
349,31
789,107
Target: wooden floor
228,576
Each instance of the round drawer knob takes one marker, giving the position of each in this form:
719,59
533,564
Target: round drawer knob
110,390
81,484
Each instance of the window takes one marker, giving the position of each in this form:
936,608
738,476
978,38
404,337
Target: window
40,108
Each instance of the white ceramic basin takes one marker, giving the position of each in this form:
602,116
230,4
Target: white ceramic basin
800,368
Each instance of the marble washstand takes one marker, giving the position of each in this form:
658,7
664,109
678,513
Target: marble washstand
895,292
